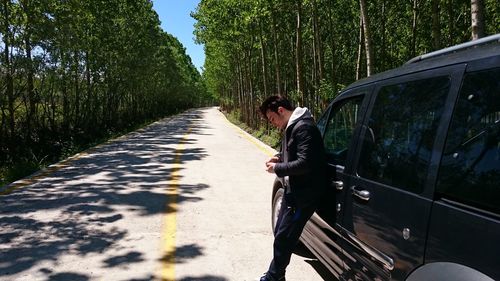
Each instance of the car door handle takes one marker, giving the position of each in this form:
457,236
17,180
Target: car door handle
339,185
361,194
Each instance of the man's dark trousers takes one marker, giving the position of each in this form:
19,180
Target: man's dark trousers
289,226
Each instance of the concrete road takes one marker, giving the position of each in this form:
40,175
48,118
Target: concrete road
186,198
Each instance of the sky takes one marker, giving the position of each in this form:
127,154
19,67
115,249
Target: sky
175,19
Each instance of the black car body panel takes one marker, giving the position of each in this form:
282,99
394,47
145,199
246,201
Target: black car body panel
464,237
396,210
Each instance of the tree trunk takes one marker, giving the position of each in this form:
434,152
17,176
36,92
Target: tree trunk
360,49
298,54
87,107
3,130
368,39
239,102
30,87
413,45
451,25
277,65
246,84
31,110
477,13
65,101
76,78
53,107
8,73
314,68
436,26
250,76
317,36
332,47
383,57
263,59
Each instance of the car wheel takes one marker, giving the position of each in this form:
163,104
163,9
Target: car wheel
277,201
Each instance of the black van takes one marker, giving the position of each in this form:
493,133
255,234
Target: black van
416,156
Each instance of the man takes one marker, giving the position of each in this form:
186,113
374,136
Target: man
301,162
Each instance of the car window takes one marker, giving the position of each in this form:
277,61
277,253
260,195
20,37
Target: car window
340,128
470,168
397,143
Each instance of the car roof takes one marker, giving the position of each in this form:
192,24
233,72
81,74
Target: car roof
474,52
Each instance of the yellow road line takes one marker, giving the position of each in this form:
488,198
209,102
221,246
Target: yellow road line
170,219
269,152
266,150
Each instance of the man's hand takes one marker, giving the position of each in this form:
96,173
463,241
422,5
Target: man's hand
273,159
270,167
271,163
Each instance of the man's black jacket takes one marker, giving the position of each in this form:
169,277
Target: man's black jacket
303,160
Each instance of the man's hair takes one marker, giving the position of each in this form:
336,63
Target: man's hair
273,102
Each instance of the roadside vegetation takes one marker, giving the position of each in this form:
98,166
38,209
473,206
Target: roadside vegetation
308,50
75,73
267,135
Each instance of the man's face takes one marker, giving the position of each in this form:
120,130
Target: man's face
277,119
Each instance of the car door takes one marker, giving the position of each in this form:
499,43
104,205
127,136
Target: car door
340,127
388,198
465,221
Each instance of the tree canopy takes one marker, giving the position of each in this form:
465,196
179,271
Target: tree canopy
73,72
308,50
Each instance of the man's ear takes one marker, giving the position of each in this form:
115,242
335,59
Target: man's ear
280,110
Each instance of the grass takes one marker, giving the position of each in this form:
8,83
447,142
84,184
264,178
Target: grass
270,137
18,171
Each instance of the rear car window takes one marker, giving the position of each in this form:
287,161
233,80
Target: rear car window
470,168
398,140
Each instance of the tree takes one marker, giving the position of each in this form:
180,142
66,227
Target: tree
9,82
477,12
298,52
436,25
75,71
367,37
307,50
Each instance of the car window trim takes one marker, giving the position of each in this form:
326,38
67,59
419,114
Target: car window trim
469,208
366,91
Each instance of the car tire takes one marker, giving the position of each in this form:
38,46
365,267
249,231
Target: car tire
277,201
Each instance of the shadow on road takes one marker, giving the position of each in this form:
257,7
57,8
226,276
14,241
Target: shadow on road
86,200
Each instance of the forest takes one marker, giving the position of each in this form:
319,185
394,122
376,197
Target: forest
308,50
74,73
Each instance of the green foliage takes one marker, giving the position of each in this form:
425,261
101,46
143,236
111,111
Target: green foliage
267,135
19,170
251,47
76,72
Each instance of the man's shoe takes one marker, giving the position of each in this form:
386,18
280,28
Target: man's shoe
266,278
